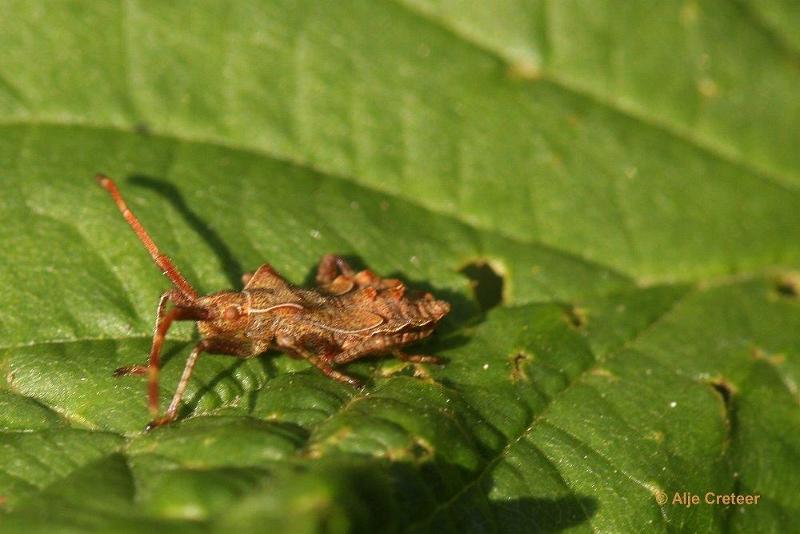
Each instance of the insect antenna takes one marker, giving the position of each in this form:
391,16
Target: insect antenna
163,261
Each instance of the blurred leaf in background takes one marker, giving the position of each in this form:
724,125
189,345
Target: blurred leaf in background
606,192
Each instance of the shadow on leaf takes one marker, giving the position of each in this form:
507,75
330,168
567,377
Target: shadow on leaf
233,269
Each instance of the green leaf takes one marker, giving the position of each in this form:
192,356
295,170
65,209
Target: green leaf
607,194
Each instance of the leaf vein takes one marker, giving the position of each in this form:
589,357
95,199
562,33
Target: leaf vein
299,163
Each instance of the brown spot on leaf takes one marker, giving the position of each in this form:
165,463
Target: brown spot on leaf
787,285
419,451
519,365
524,70
143,128
577,317
724,389
655,435
317,450
707,88
605,373
689,13
772,359
573,120
405,368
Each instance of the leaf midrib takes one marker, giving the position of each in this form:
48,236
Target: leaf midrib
487,231
305,165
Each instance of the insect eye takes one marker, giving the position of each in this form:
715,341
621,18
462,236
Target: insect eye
231,313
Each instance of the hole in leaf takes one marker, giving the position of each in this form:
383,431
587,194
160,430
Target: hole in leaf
487,284
724,390
519,365
788,285
421,450
577,317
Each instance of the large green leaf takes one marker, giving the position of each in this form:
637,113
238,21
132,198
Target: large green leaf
630,170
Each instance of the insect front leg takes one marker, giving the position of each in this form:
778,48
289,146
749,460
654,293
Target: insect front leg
172,410
164,320
135,369
219,346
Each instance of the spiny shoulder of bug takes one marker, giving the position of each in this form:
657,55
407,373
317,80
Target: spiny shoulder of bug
231,311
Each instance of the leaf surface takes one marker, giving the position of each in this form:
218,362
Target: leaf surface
622,180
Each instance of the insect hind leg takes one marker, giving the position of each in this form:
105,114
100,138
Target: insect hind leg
323,364
335,276
415,358
324,361
331,267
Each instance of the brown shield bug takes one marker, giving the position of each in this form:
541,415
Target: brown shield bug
348,316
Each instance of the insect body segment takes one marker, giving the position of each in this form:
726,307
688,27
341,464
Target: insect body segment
349,315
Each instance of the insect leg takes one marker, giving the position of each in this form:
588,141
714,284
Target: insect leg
172,411
323,362
154,364
334,275
360,351
129,370
330,267
164,320
415,358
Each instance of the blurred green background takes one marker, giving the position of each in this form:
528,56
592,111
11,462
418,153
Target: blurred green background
606,192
